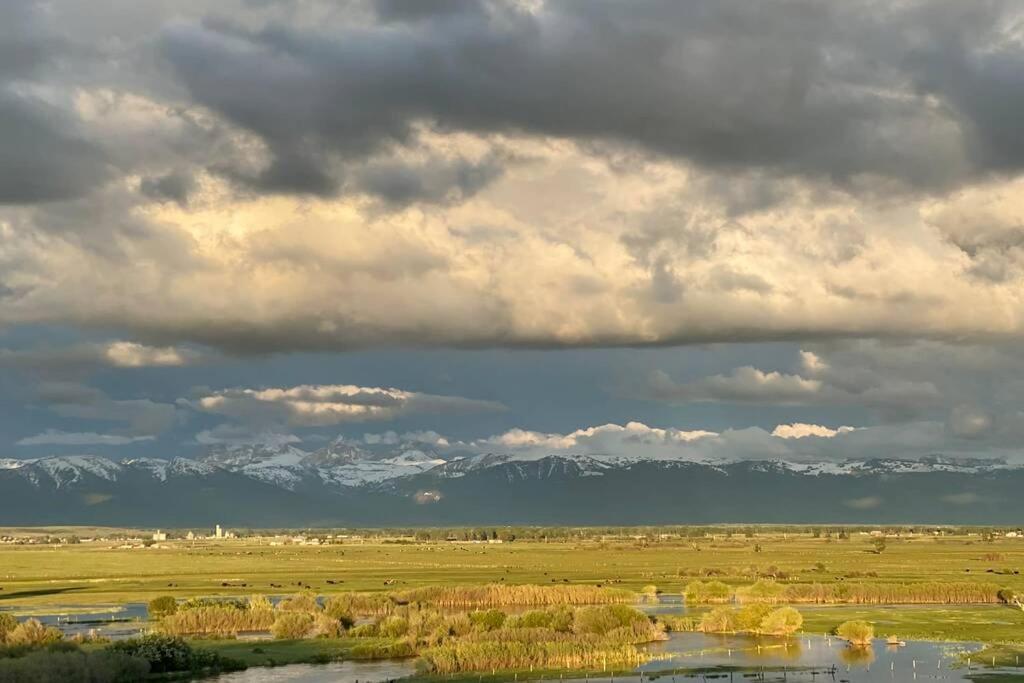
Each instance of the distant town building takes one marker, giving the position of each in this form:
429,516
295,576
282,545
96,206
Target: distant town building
160,535
219,533
190,536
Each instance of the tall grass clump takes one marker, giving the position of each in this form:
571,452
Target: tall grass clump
300,602
221,620
359,604
291,625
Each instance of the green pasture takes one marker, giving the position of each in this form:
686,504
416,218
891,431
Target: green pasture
94,573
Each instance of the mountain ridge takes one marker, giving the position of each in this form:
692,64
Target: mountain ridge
400,484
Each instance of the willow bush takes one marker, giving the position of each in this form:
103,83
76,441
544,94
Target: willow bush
857,633
756,619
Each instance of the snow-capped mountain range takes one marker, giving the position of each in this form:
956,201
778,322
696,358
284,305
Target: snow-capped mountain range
345,465
356,484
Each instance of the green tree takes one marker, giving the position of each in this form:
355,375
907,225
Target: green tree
161,607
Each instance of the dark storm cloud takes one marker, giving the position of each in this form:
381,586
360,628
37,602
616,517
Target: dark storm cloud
926,94
42,158
138,417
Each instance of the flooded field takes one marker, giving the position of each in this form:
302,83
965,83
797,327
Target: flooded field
700,656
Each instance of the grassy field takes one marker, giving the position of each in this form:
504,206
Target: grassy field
72,577
94,573
981,623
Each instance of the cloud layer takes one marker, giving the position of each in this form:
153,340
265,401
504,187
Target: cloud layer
512,174
391,175
319,405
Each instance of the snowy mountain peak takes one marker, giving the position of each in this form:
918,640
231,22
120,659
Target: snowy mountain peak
245,455
68,469
336,453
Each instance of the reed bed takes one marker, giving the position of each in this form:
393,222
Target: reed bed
500,595
492,655
218,620
922,593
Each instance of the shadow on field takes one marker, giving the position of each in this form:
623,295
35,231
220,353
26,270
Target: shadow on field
4,595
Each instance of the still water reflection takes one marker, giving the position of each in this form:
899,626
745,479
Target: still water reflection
698,656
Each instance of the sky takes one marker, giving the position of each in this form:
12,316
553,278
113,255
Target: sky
713,228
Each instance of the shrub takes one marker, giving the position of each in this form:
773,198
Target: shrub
783,621
707,592
719,620
749,617
31,632
258,603
761,591
161,607
7,624
487,620
198,603
300,602
558,619
393,627
164,653
602,620
292,625
326,626
42,666
340,610
856,632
